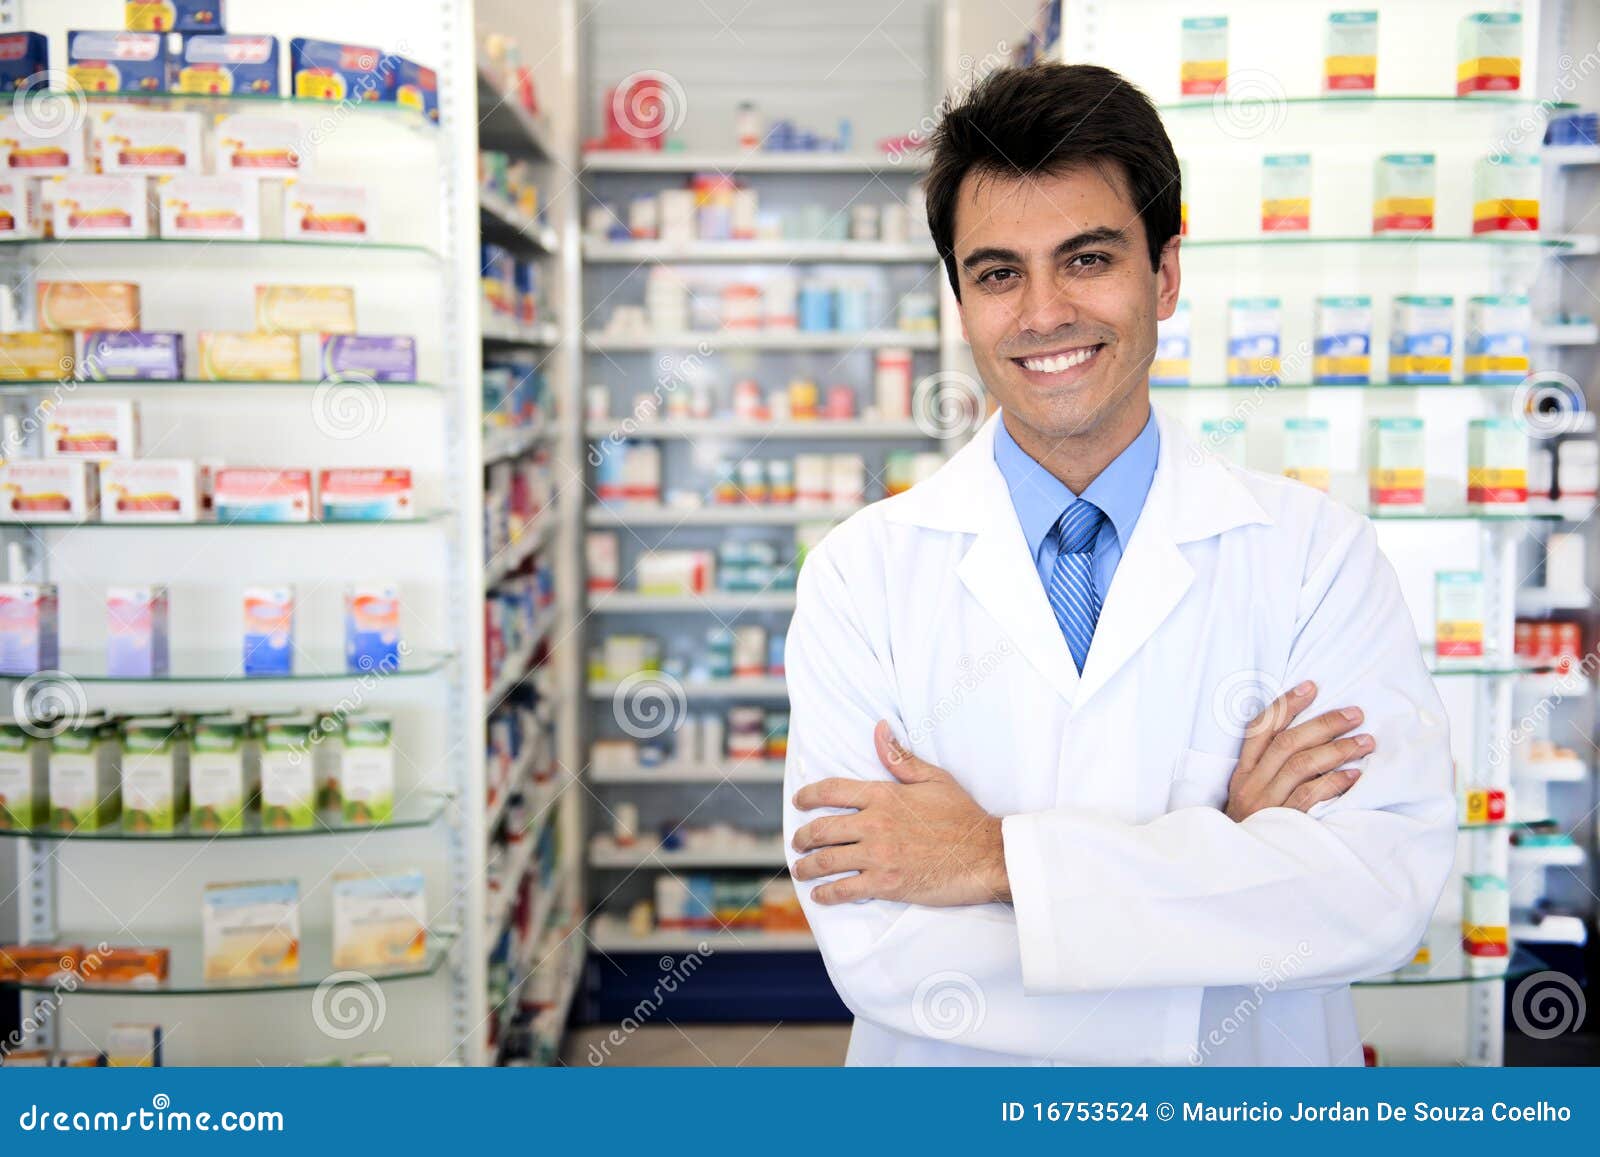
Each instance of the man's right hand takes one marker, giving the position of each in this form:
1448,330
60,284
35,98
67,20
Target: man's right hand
1298,767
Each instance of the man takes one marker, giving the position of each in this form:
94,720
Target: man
1030,821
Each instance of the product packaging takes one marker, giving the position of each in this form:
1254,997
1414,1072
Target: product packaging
1499,331
365,495
1421,339
1204,45
36,357
327,70
28,628
244,494
1395,474
136,142
366,769
21,215
1254,326
31,149
269,634
173,15
1485,924
1350,55
416,87
379,921
101,208
258,147
133,1046
1489,53
47,490
1172,361
209,208
106,355
93,430
155,774
288,772
1497,463
1458,614
23,56
227,65
1403,193
305,309
218,785
321,212
251,931
24,778
1286,193
131,62
149,490
1307,451
249,357
84,793
136,632
371,627
1342,347
87,305
379,359
1505,194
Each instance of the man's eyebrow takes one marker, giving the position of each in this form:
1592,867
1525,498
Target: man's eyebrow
1101,235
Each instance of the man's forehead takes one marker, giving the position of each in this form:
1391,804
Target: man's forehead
1084,196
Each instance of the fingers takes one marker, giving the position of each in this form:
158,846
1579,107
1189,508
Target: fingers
1289,744
845,891
899,761
1324,787
1274,718
830,862
1312,762
827,831
833,792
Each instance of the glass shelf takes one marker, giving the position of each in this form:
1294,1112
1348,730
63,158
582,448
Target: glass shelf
1449,966
218,387
186,970
380,111
1498,825
422,518
1487,665
89,666
1358,99
1316,386
222,246
1387,241
417,812
1459,514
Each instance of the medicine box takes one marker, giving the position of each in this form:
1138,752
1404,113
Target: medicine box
227,65
249,357
209,208
305,309
84,790
31,149
1485,923
90,429
219,786
136,632
1224,437
1489,53
149,490
1403,193
133,1046
1307,451
1497,463
251,931
84,305
154,774
416,87
288,772
1350,56
101,208
1342,347
601,554
106,355
1458,614
20,214
1253,341
1395,459
23,56
47,490
1172,361
327,70
1505,194
358,495
248,145
244,494
136,142
173,15
1286,193
1421,339
1204,45
315,211
24,778
366,769
269,631
375,358
379,921
1499,332
371,627
118,61
36,357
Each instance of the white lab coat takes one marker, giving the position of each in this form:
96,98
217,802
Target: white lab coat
1146,927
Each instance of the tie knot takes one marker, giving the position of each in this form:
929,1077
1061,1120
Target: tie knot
1077,527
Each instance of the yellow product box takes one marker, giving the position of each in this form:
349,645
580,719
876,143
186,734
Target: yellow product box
1505,194
75,306
134,141
1204,45
1458,614
251,931
36,357
379,921
100,208
134,1046
1497,463
1350,53
322,212
1489,53
249,357
1403,193
1307,451
1395,462
295,309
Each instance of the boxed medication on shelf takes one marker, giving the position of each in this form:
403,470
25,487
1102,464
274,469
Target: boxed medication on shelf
219,786
87,305
269,634
1286,193
379,921
259,147
1254,328
327,70
83,776
133,1046
1350,55
372,627
226,65
39,962
1395,475
1341,352
378,358
21,216
173,15
251,931
1403,193
249,357
364,495
76,428
675,572
1421,339
1483,805
305,309
129,62
416,87
154,774
28,150
1489,53
136,632
1171,365
24,778
288,772
366,769
315,211
47,490
1497,463
248,494
36,357
1204,45
601,553
100,208
1499,328
1505,194
1485,923
23,56
1307,451
106,355
136,142
1458,614
149,490
209,208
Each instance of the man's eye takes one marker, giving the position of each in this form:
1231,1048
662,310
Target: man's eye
997,276
1088,260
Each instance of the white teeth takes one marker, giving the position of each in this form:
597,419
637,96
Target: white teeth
1059,363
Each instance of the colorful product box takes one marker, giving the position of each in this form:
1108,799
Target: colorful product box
260,147
1499,329
326,70
81,305
1489,53
1485,923
24,778
1395,474
154,774
149,490
136,632
269,635
118,61
1286,193
1172,361
1350,56
1483,805
94,430
128,356
39,962
23,56
1307,451
47,490
366,769
209,208
305,309
1204,46
371,627
36,357
1224,437
377,358
349,494
288,772
1458,614
1254,326
84,793
133,1046
173,15
20,214
416,87
1342,346
316,211
1421,339
227,65
1497,463
249,357
1505,194
499,280
251,931
242,494
379,921
30,151
218,788
101,208
130,142
1403,193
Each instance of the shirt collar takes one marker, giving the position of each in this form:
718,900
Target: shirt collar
1040,497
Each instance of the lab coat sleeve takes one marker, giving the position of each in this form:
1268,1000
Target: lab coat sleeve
945,974
1298,900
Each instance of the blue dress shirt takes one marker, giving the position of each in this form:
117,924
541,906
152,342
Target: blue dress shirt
1040,498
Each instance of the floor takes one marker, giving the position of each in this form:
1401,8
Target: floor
707,1045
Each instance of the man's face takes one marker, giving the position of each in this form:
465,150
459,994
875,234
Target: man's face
1058,299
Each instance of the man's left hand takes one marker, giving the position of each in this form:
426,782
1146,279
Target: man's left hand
920,840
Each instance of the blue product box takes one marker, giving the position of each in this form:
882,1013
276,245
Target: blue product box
173,15
382,359
225,65
416,87
269,631
23,56
118,61
327,70
372,628
130,355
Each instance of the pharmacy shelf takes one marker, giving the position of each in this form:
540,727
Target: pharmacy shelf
1492,103
1579,244
311,665
1551,770
1542,601
1488,665
750,687
506,332
672,161
1452,512
418,811
743,771
552,1023
787,252
1450,965
506,442
716,341
501,218
544,907
730,514
221,388
1567,334
1320,387
712,602
504,124
1530,857
604,853
1497,241
226,249
421,518
1570,155
263,103
187,959
819,429
517,667
536,534
497,909
515,782
611,935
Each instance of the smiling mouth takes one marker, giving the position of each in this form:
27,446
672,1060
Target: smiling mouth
1060,361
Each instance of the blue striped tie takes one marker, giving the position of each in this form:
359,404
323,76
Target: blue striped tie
1071,591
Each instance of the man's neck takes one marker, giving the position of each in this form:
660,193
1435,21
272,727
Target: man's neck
1078,459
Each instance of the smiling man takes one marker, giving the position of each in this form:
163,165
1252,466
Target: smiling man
1035,816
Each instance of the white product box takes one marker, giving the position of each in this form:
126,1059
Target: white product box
26,151
209,208
313,211
258,147
379,921
115,208
149,490
251,930
47,490
94,430
134,141
601,551
19,208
